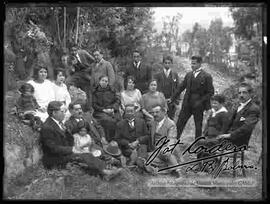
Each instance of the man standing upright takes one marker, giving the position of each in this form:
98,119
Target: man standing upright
141,72
102,67
168,82
199,89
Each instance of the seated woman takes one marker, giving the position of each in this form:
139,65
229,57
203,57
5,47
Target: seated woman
106,107
131,96
43,89
152,97
217,123
60,90
27,106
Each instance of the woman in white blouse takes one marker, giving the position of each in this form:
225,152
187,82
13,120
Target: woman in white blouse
131,96
60,89
43,89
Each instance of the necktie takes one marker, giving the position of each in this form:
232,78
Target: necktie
131,123
62,125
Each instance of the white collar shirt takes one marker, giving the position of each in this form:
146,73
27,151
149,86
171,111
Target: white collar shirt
58,123
159,124
167,72
242,105
222,109
196,72
137,64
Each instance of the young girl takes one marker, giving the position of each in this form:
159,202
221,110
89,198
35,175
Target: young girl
27,106
83,141
60,89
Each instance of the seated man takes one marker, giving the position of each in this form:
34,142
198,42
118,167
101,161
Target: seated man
58,145
243,119
96,131
130,133
162,126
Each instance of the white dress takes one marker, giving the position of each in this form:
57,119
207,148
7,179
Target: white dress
133,97
61,94
82,140
43,92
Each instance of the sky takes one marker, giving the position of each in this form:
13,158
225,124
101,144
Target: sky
191,15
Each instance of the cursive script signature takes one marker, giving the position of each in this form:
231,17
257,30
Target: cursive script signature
224,148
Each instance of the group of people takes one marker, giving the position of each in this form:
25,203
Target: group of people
121,129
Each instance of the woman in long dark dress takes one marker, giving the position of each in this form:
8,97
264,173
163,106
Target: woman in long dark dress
106,106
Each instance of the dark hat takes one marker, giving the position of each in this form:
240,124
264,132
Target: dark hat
112,149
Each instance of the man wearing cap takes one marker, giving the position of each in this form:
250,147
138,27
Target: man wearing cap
58,145
130,133
199,88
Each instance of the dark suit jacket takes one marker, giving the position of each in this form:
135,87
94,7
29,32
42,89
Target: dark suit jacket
243,123
161,79
123,136
142,75
56,144
96,131
86,58
204,86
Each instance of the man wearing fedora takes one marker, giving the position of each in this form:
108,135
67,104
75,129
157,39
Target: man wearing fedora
130,133
58,145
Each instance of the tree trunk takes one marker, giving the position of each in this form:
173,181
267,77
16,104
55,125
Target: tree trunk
77,29
65,24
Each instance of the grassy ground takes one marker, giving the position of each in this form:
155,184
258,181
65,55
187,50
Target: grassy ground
38,183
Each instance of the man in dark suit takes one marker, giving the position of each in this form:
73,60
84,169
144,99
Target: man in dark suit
58,145
131,132
80,75
141,72
199,89
168,82
96,131
243,119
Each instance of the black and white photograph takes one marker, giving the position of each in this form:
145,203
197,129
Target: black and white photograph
134,101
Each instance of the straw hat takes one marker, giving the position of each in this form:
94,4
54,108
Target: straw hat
112,149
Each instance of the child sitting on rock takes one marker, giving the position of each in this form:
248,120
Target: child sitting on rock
27,107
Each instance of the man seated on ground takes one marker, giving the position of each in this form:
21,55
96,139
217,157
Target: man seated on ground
95,129
58,145
162,126
130,133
